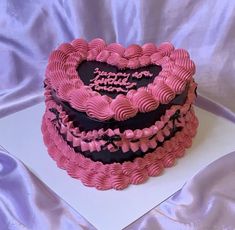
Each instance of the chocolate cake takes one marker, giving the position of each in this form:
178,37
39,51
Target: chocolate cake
116,116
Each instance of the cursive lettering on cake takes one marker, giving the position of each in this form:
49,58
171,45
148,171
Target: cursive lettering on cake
116,82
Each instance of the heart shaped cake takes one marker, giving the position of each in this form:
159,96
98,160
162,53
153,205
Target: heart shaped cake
116,116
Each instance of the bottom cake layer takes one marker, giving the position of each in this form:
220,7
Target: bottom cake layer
118,176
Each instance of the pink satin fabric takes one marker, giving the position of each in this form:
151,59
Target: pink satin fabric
31,29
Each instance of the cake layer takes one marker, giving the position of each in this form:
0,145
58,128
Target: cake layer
116,175
109,146
85,123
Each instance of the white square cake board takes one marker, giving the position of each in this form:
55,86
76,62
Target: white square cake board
21,135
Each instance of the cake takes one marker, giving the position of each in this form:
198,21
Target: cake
116,116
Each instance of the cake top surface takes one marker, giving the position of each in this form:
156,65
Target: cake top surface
108,81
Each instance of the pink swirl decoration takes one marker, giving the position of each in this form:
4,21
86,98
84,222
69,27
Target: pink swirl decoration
155,169
122,108
78,99
66,48
138,177
119,182
156,58
133,51
179,53
187,64
98,107
166,48
116,48
97,43
176,84
122,63
81,46
64,90
163,93
144,101
144,60
113,59
149,49
102,182
133,63
181,73
56,77
103,56
74,59
57,56
92,54
169,160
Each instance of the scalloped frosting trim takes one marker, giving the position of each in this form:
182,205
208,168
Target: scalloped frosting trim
118,176
177,71
130,139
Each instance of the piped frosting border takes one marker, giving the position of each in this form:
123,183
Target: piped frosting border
61,75
118,176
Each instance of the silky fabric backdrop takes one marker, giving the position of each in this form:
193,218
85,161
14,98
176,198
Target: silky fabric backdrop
31,29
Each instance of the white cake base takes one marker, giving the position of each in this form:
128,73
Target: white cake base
21,135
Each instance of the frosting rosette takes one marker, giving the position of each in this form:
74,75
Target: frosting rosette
144,101
78,99
99,107
122,108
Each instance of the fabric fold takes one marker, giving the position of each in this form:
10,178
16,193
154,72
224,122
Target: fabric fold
27,203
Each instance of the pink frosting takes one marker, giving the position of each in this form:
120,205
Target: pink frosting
155,169
163,93
161,128
122,108
156,57
138,177
187,64
182,73
179,53
144,60
66,48
57,56
144,101
81,46
92,54
133,63
133,51
149,49
113,59
78,99
176,84
116,48
97,43
103,56
99,107
117,176
64,61
166,48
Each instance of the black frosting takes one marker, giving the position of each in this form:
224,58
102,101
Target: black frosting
87,68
